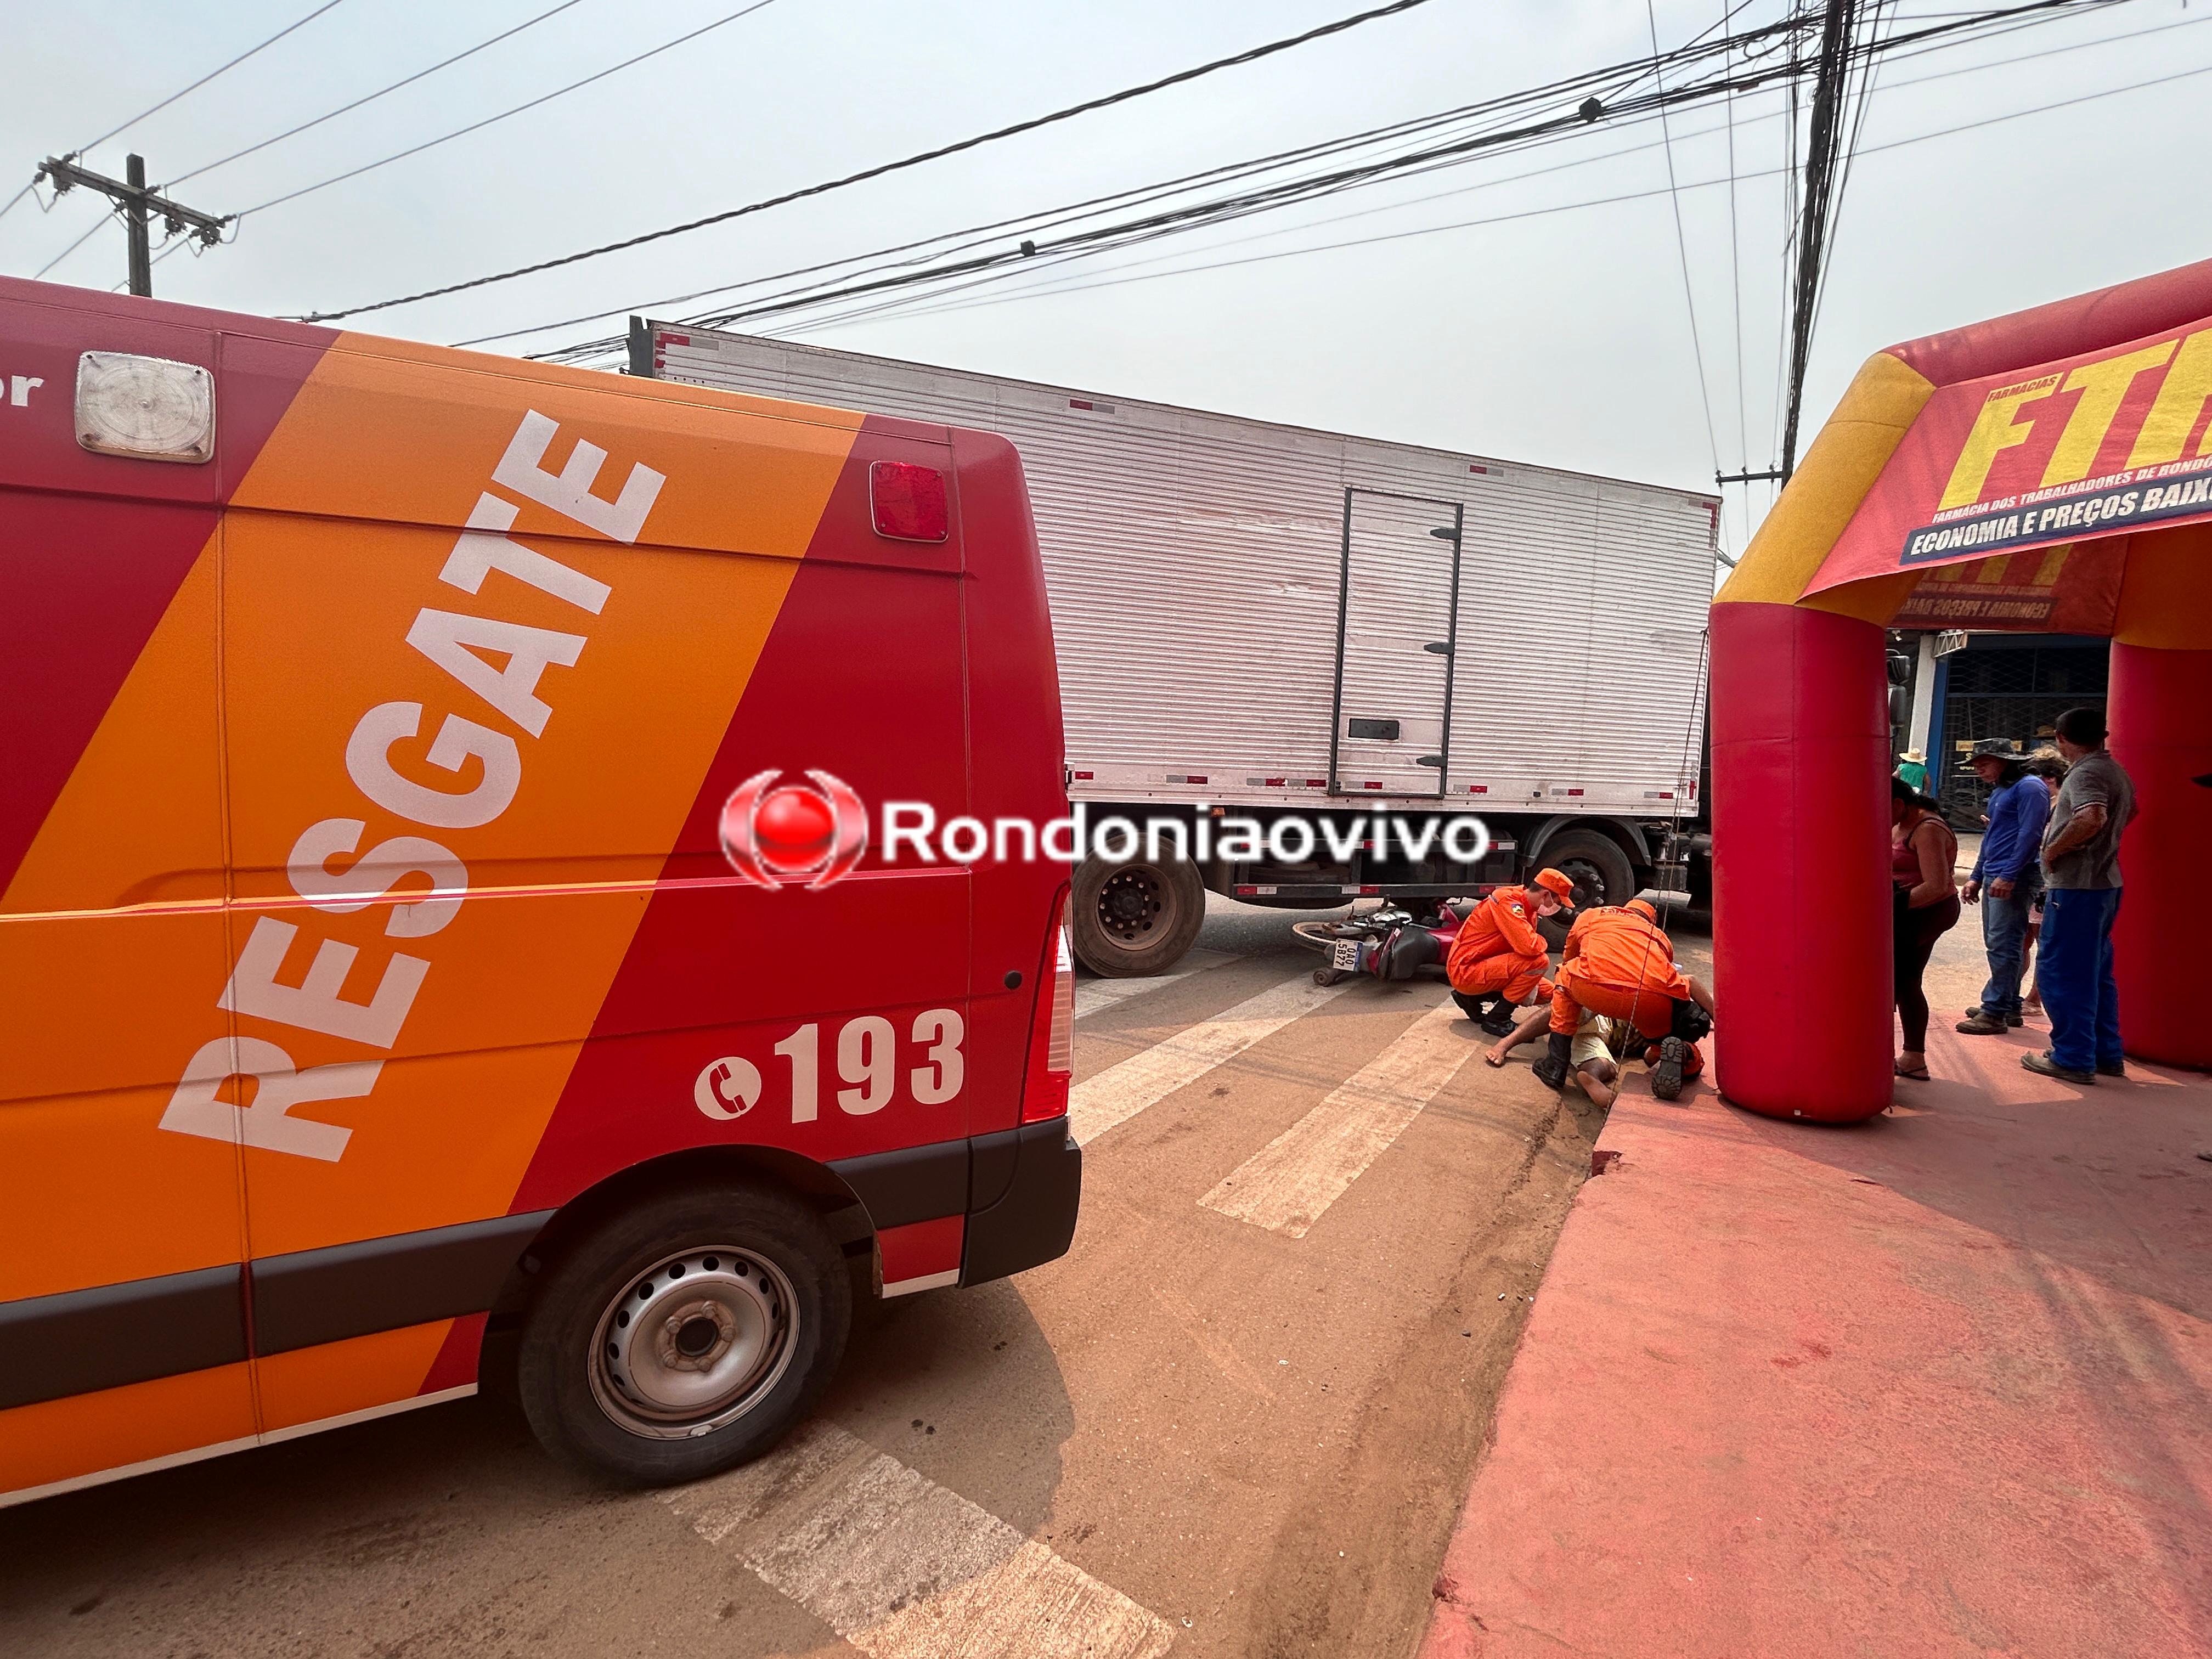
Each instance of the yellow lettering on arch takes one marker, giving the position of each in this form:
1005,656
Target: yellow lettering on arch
2102,385
1994,431
2180,401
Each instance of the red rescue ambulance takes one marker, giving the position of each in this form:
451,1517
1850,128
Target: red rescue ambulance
387,1005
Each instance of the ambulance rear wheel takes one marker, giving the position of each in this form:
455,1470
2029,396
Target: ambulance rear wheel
684,1335
1134,919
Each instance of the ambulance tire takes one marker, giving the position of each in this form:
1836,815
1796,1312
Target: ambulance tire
751,1340
1134,918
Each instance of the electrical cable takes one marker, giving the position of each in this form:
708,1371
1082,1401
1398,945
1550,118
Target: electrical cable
328,6
1736,284
104,219
1682,247
1616,126
492,120
1040,218
19,196
1605,201
1327,183
1117,235
1865,100
878,171
370,98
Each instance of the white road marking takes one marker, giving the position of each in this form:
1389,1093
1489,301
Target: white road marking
1287,1185
903,1569
1128,1086
1092,994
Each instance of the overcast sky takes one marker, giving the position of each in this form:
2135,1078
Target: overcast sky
1561,337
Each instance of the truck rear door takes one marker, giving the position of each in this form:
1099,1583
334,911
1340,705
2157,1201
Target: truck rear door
1397,603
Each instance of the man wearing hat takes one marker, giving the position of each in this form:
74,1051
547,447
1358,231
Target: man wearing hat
1912,766
2006,879
1498,957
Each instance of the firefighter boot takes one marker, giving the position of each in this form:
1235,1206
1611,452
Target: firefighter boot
1559,1052
1666,1075
1474,1005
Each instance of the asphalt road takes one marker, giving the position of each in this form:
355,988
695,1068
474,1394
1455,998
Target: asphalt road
1236,1419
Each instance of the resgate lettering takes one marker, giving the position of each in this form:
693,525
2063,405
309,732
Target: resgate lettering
452,639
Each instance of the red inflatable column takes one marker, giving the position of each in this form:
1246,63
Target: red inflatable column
2160,712
1801,861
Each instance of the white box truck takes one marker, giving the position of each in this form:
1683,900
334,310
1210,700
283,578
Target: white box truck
1255,620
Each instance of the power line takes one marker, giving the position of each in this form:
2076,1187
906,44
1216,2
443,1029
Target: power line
1047,218
1252,202
17,197
294,132
1566,207
1824,146
650,307
1682,247
1736,284
97,224
1029,125
492,120
328,6
1255,200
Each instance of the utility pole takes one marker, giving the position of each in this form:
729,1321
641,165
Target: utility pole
1820,156
139,204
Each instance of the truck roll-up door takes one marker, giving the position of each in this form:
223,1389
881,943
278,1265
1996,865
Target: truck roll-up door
1397,601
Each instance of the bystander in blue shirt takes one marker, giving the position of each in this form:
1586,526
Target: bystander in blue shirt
2012,849
2011,857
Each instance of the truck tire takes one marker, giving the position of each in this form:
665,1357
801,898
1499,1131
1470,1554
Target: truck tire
1594,862
683,1335
1134,919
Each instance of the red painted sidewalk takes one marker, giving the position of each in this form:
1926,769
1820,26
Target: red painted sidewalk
1939,1384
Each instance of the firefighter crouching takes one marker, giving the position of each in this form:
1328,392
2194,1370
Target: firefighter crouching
1498,959
1619,964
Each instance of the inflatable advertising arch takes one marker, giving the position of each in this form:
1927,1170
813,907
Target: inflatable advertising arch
2047,472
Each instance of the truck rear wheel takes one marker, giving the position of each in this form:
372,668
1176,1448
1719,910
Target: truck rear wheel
1131,920
685,1334
1595,863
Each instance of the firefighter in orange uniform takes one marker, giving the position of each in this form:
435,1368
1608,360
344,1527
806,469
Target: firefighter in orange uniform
1497,959
1621,964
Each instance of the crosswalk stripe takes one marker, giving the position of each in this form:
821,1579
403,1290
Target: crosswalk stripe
1128,1087
904,1569
1092,994
1287,1185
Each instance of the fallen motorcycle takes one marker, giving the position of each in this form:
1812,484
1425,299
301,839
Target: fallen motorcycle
1389,942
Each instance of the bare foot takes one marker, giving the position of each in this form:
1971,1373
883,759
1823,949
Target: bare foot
1496,1053
1600,1094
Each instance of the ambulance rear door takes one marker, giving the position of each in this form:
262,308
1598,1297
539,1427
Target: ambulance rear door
122,1331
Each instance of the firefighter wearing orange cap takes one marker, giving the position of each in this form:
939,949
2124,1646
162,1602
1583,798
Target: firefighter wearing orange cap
1497,959
1619,964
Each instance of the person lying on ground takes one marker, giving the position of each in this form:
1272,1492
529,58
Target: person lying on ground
1597,1070
1622,966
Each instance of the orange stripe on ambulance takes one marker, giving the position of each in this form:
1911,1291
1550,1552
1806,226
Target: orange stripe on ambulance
451,639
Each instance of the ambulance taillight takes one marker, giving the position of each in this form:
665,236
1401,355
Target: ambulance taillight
1052,1030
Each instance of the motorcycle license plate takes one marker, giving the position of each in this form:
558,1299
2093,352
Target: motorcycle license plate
1347,955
